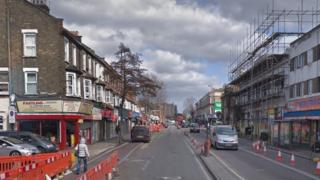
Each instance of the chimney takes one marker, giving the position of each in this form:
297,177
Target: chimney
43,4
76,34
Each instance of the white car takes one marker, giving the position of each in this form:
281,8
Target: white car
14,147
224,137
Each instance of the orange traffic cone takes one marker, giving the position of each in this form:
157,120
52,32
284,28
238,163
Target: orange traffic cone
279,156
258,148
318,168
292,160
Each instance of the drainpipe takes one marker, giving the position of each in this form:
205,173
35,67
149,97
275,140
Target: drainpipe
9,56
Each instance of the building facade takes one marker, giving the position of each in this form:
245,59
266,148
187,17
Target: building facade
209,106
301,125
58,87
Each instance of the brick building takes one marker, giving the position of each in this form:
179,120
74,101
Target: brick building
62,88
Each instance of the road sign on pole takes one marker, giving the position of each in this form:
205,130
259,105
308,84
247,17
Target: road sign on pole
12,114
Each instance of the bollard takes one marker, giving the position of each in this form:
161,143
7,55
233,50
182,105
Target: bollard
207,145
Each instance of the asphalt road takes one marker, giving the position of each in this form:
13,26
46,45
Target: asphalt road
248,165
167,157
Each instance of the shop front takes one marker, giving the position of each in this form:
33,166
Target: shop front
58,120
303,116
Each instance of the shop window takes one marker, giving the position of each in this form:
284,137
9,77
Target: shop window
296,132
305,132
285,134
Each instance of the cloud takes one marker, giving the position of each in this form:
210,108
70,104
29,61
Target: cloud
183,78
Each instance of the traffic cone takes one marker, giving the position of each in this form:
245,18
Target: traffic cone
292,160
264,149
258,148
279,156
318,168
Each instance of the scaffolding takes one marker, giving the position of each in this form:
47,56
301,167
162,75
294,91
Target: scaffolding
269,35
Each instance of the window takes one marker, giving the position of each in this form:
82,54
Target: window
292,64
94,68
4,81
315,85
316,52
74,55
87,89
30,80
93,92
66,50
84,61
309,86
89,65
71,84
305,58
291,91
100,95
298,89
305,88
29,42
108,97
97,71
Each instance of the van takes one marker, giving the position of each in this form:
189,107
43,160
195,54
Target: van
224,137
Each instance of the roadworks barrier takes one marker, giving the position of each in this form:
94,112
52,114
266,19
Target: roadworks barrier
35,167
104,170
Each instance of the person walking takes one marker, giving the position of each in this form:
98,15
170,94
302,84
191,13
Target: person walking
82,154
118,131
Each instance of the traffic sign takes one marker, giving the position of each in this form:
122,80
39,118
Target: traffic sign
12,114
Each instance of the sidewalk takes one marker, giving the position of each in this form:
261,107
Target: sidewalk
302,153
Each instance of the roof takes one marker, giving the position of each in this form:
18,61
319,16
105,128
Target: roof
301,38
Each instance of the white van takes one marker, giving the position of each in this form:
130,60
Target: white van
224,137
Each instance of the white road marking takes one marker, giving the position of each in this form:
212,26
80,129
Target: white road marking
103,153
197,160
283,165
146,165
228,167
126,157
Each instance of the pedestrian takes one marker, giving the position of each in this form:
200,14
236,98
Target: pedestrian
82,154
118,131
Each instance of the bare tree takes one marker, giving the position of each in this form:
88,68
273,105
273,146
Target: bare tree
189,107
134,80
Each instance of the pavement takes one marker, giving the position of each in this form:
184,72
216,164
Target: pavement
246,164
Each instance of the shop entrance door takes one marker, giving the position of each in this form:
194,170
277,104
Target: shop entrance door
70,133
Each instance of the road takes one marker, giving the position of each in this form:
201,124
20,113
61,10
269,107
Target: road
248,165
167,157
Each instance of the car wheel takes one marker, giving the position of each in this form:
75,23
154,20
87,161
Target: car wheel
41,149
216,146
15,153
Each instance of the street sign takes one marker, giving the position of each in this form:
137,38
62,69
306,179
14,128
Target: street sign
12,114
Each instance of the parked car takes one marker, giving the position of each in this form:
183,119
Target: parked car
194,127
14,147
185,124
141,134
224,137
43,144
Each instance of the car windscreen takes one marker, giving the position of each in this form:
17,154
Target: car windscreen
12,140
226,131
43,139
140,129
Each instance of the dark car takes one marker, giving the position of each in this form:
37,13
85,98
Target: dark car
42,143
194,127
141,134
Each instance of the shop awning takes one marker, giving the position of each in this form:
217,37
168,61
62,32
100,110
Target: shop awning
312,114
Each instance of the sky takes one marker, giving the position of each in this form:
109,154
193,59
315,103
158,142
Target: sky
185,43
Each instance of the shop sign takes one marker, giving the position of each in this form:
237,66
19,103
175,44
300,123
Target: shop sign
217,106
304,104
96,114
39,106
71,106
12,114
85,108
